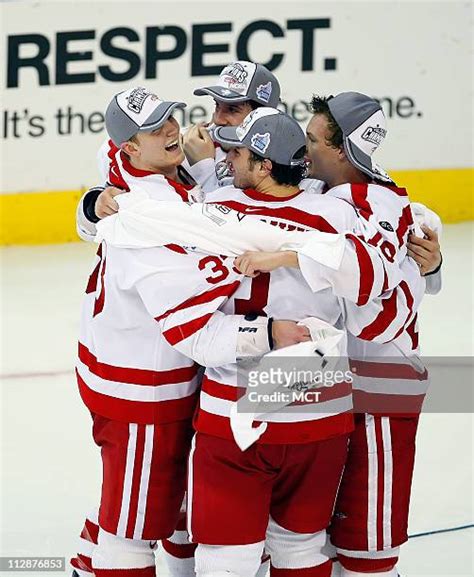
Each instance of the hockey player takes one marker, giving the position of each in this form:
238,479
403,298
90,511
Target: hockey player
371,515
259,158
241,87
140,391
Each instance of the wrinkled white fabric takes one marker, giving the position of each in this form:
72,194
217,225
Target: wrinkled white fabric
144,223
327,344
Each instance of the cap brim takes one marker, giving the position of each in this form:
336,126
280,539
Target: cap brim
221,94
363,162
227,136
160,115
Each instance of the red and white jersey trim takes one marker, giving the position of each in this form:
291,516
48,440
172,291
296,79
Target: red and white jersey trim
136,395
136,411
138,391
290,425
388,388
281,433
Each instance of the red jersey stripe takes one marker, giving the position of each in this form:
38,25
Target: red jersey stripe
409,299
182,332
137,411
290,213
359,194
220,391
280,433
99,302
206,297
135,376
366,271
181,189
406,220
383,319
382,370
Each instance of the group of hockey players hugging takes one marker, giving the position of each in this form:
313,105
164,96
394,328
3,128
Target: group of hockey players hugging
249,240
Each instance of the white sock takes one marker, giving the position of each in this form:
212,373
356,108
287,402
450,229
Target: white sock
179,567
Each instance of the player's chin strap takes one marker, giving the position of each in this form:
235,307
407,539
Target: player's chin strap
322,353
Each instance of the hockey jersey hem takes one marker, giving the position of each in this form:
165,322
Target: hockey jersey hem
137,411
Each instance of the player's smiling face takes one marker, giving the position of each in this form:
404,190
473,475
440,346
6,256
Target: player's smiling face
324,160
159,150
230,114
246,174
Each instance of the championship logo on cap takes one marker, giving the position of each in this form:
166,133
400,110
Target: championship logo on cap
261,142
137,110
137,97
374,134
235,76
264,91
362,122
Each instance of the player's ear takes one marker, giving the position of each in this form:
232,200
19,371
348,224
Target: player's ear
266,166
130,147
342,154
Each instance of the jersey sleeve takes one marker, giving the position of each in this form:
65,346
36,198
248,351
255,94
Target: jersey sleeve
379,298
145,222
85,216
424,216
187,312
384,318
353,269
204,173
380,285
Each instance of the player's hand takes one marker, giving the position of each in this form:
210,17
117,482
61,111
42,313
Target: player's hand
426,251
286,333
197,144
252,263
105,205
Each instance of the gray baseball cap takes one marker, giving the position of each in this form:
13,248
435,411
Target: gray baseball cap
269,133
242,81
136,110
363,126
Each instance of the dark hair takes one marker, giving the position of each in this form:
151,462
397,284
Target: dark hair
254,104
282,173
319,105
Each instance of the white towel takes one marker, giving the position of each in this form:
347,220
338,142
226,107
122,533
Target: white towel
326,345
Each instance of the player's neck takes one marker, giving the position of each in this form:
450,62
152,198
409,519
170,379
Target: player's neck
169,172
269,186
348,175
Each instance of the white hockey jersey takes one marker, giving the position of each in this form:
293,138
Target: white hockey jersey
389,378
211,173
116,170
126,369
283,294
